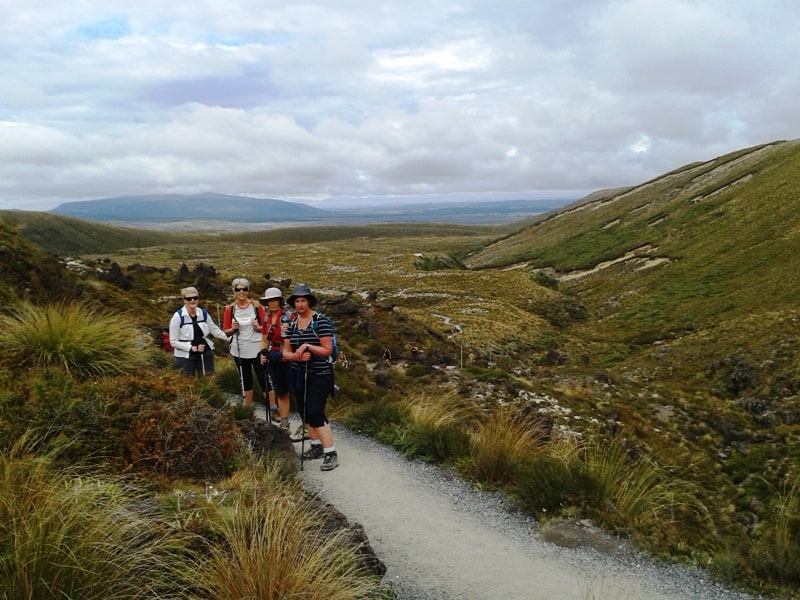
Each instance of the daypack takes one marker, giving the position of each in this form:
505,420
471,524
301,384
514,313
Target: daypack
201,318
314,327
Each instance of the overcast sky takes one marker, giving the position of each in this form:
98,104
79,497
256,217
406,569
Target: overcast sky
383,99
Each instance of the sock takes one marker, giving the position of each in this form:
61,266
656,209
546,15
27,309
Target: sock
331,450
316,443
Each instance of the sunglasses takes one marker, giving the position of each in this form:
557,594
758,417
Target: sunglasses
191,298
241,289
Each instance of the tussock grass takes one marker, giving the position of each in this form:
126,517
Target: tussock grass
634,491
83,341
275,544
502,443
68,535
775,552
439,425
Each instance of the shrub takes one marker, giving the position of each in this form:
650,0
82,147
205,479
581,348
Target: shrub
636,493
67,535
277,545
84,342
371,417
417,370
439,425
775,554
502,443
439,443
183,439
548,485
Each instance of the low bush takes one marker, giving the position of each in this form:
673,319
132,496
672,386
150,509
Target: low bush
184,439
501,444
439,426
276,545
548,485
66,534
84,342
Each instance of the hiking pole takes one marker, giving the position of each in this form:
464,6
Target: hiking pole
239,362
270,386
303,418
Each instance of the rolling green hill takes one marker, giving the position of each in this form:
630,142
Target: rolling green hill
705,248
67,236
666,311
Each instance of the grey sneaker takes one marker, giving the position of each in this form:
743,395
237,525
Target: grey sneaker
330,462
300,435
314,452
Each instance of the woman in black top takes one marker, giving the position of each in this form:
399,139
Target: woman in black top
310,344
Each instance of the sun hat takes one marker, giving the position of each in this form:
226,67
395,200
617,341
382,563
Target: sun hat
270,294
302,290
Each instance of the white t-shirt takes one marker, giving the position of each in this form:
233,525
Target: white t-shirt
247,344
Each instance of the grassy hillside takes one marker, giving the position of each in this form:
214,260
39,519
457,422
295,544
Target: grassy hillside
710,246
663,314
68,236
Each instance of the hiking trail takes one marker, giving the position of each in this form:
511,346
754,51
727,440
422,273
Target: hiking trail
441,540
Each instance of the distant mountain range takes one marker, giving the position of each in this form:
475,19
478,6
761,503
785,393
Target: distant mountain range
243,209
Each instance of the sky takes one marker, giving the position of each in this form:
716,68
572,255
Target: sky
383,101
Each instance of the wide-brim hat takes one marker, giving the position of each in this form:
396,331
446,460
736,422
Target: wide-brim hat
270,294
301,290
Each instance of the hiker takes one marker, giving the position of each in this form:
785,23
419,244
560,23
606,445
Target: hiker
387,356
309,345
278,369
242,321
343,360
189,329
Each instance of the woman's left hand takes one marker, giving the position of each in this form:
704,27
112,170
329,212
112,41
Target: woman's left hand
303,355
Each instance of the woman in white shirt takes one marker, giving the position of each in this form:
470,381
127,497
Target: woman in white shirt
243,321
189,329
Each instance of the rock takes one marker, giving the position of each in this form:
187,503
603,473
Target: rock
573,534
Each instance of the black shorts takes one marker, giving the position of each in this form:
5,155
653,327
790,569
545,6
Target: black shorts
281,376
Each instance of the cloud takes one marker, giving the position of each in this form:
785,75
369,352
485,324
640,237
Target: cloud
316,100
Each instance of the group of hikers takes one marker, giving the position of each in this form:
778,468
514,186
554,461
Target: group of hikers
287,349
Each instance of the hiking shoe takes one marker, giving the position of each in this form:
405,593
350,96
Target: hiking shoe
285,427
300,434
330,462
312,453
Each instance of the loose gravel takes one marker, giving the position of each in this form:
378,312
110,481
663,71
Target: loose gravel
442,540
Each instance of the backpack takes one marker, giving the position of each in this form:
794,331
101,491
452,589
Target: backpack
315,326
201,318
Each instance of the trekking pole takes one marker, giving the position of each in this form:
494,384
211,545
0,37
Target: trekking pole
303,417
239,362
270,386
203,362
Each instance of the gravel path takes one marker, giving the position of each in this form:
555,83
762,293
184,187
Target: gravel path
441,540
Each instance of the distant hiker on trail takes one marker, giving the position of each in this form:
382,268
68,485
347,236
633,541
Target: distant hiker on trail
189,329
279,370
387,356
310,345
242,320
343,360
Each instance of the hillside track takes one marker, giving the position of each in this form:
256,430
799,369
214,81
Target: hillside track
442,540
